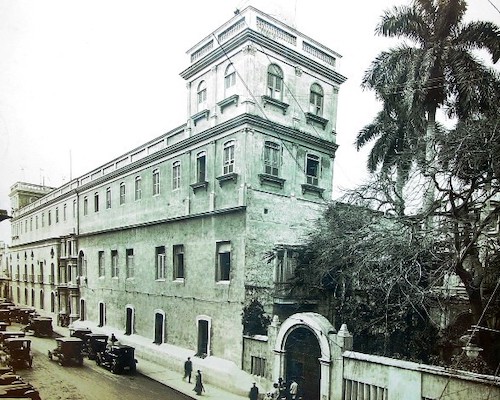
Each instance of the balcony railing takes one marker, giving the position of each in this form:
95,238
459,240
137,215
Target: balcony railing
40,278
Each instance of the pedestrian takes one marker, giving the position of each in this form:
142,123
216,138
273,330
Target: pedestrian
198,386
188,369
254,392
281,389
294,386
275,393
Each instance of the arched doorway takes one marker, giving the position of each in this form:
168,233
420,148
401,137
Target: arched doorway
302,361
159,327
203,327
129,320
303,351
102,314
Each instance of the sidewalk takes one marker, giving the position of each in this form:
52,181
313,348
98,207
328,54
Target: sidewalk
172,379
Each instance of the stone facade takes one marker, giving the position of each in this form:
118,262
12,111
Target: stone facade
167,241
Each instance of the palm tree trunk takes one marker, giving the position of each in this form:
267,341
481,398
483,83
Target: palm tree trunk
429,167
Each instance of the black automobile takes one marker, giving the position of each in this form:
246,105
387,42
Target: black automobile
118,358
17,352
41,326
4,335
95,343
68,351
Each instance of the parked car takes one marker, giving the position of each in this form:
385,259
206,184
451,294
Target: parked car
118,358
95,343
19,391
3,326
68,351
10,378
10,334
41,326
17,352
22,314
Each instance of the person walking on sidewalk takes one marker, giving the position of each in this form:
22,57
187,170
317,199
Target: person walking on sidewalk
254,392
198,386
188,369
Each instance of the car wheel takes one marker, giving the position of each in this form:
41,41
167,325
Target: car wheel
50,355
61,360
98,359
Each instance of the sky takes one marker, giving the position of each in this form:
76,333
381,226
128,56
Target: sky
84,81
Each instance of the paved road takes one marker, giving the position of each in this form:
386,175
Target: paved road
89,382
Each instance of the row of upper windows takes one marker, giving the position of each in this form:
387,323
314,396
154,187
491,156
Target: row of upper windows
274,88
45,218
272,161
222,263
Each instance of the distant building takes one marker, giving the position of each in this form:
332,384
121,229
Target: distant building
167,241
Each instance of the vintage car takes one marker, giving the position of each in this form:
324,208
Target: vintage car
3,326
10,378
68,351
22,314
118,358
17,352
41,326
19,391
95,343
10,334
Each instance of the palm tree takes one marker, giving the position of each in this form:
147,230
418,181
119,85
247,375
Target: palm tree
439,71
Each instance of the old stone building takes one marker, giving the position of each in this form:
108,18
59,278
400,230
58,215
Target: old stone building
167,241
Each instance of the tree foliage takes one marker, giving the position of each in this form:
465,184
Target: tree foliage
254,319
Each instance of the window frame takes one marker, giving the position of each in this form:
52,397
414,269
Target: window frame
228,159
156,182
275,82
101,265
223,261
312,179
316,99
272,158
178,261
229,77
115,269
201,167
108,198
176,175
201,95
123,192
96,202
130,263
160,263
138,188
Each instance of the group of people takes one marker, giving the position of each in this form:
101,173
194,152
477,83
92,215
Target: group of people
198,382
280,391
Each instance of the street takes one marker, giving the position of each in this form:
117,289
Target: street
89,382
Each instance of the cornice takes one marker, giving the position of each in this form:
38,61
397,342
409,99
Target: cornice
250,35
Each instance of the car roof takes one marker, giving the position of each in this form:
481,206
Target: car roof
17,339
69,339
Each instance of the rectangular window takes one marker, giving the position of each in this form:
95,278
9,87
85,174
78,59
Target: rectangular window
96,202
31,224
100,261
258,366
43,220
114,263
286,262
178,261
49,219
122,193
228,160
176,175
108,197
138,188
312,169
156,182
202,96
65,212
223,261
160,262
85,206
74,209
130,263
36,222
201,167
272,158
57,215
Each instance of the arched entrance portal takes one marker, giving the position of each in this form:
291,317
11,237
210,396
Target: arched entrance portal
302,362
303,351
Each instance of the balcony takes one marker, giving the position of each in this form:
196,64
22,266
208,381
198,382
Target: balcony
40,278
287,293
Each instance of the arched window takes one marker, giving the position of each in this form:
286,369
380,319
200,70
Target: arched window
316,100
202,95
272,158
275,82
229,77
176,175
228,160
